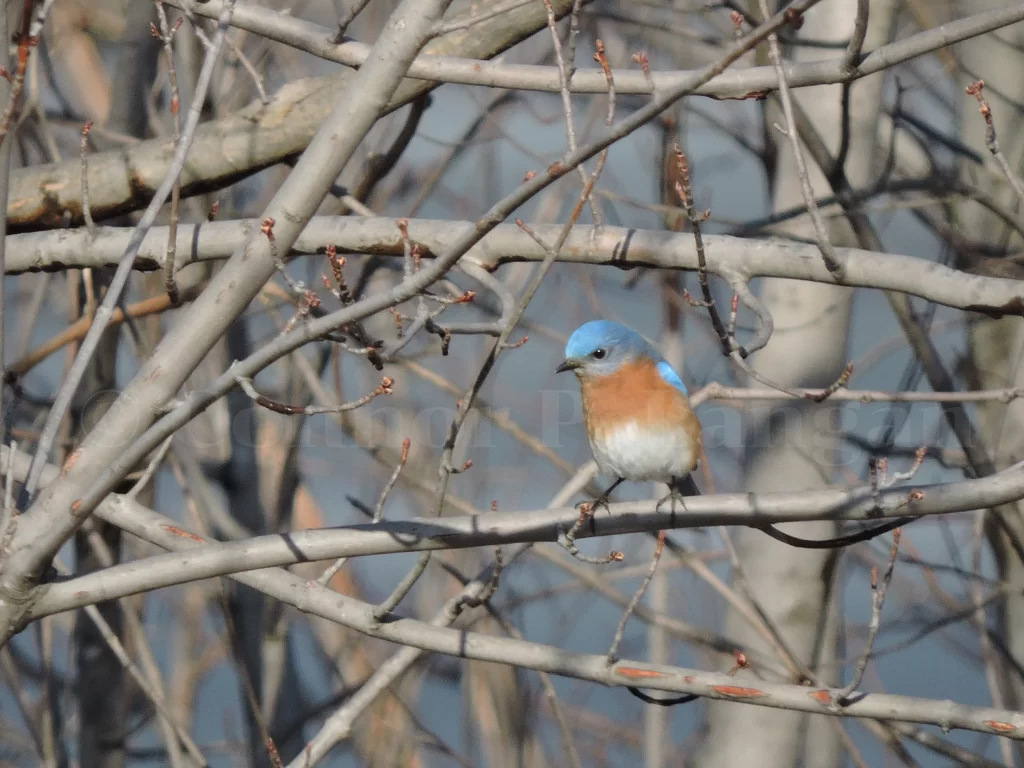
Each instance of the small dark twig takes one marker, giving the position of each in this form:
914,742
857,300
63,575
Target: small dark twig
377,514
851,59
343,294
346,19
878,480
380,165
385,388
684,190
662,702
834,387
839,541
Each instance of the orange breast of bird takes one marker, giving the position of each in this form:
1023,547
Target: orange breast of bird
637,393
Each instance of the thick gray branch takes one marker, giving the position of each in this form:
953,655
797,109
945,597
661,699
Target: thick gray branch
219,559
734,84
728,257
321,601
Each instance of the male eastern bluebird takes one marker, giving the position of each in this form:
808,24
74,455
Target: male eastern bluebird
637,409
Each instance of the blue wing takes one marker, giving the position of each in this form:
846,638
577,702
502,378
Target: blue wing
668,373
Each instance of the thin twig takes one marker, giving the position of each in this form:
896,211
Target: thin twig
5,184
565,65
568,541
347,18
83,149
31,29
684,190
828,253
165,35
574,36
232,47
378,513
151,469
247,65
976,89
851,58
878,590
340,290
402,589
637,597
385,388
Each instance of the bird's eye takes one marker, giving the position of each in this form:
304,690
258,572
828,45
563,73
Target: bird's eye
599,354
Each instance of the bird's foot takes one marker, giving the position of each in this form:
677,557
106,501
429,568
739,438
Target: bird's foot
589,508
674,497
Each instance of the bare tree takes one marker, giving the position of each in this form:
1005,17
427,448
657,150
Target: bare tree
287,474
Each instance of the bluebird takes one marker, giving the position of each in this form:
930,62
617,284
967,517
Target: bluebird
637,410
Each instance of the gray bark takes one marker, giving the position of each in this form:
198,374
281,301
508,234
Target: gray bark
103,688
997,346
808,348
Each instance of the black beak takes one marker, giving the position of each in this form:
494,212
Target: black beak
567,365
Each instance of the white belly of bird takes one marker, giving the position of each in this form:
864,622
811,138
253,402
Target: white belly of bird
642,455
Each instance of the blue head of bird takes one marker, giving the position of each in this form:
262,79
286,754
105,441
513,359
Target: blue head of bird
601,347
